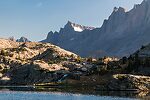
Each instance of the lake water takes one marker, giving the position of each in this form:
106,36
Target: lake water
20,95
30,93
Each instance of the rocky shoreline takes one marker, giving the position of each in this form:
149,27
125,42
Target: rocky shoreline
46,65
119,82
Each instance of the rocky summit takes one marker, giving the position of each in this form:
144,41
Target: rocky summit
120,35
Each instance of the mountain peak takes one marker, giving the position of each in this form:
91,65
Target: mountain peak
77,27
23,39
120,9
68,23
146,1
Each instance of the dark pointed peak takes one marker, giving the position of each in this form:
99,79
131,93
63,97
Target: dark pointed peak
68,25
55,32
120,9
135,6
145,5
117,12
146,2
23,39
69,22
115,9
51,32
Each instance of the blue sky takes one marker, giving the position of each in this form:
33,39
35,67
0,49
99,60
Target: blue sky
35,18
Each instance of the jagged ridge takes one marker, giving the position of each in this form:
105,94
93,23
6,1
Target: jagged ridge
121,34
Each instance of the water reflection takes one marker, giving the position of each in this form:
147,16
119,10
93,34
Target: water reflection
9,95
58,93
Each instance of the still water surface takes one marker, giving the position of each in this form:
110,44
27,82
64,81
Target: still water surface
28,95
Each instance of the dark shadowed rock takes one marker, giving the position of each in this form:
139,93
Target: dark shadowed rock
129,82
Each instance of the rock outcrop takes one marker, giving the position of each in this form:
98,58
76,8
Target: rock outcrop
6,43
129,82
31,62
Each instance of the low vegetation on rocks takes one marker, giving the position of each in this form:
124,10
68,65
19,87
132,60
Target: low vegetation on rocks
42,64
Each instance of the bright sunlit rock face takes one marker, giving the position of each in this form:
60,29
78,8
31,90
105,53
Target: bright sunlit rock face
6,78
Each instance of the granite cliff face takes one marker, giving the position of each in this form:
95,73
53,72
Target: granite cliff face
120,35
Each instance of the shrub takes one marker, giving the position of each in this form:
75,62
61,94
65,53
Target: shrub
51,62
4,53
102,69
89,59
11,55
79,59
120,77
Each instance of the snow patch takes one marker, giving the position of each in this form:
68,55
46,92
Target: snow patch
78,29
